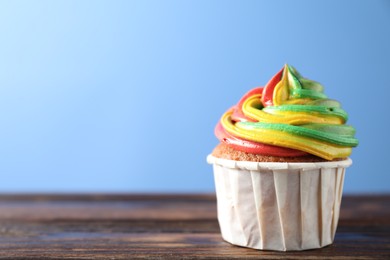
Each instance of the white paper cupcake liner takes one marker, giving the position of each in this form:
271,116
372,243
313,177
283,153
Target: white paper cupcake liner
278,206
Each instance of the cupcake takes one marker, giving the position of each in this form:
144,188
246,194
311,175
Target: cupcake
279,167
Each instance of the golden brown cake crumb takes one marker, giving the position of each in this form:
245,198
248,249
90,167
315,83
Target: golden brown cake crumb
226,152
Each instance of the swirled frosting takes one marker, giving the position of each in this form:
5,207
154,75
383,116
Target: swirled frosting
290,116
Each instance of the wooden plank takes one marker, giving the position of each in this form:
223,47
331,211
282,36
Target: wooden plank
156,226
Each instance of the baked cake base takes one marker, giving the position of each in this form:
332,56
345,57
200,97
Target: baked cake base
224,151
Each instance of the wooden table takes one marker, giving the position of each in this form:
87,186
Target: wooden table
164,226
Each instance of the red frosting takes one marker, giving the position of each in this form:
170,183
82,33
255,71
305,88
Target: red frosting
253,147
238,115
268,92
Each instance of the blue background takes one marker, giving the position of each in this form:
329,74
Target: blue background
123,96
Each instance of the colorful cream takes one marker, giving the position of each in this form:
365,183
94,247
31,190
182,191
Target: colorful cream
290,116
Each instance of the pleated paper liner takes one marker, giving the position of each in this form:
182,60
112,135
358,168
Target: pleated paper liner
278,206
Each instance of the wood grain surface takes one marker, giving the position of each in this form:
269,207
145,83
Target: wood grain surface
164,227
